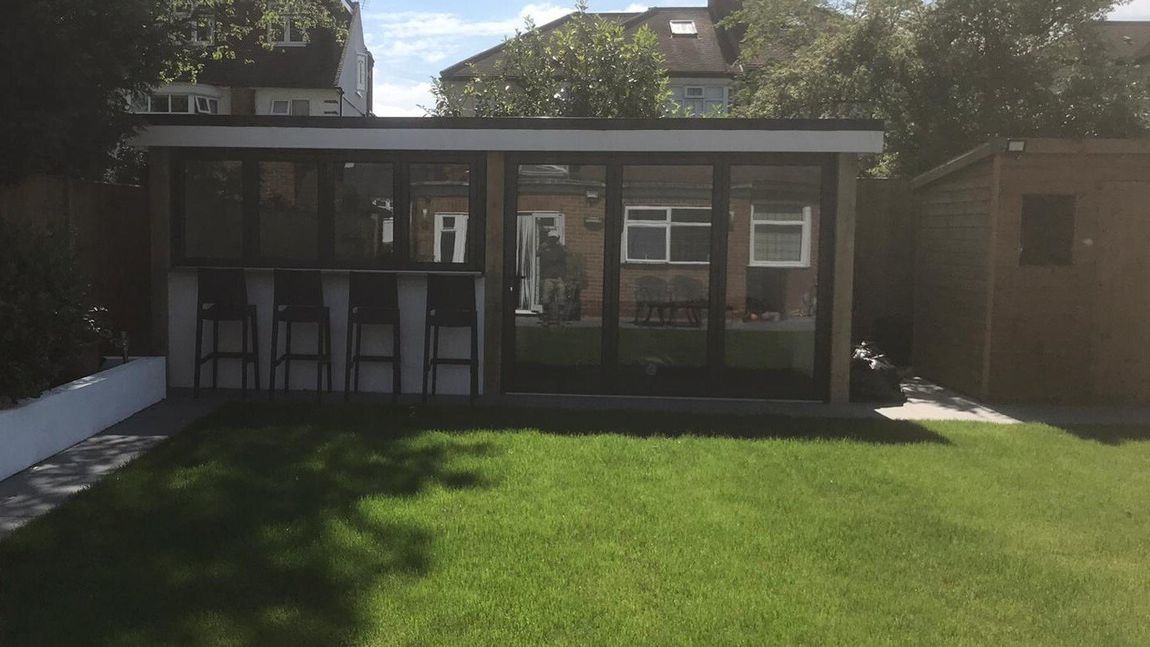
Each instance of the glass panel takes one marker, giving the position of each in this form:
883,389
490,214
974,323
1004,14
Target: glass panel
771,326
436,190
663,306
300,107
364,215
647,214
160,103
646,243
778,243
690,244
289,222
213,209
559,278
180,103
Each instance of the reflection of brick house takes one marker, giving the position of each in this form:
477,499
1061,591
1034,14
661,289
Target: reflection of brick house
776,289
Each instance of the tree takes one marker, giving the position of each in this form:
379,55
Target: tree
70,67
588,67
945,76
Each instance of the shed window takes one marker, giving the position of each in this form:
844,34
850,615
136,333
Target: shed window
1047,236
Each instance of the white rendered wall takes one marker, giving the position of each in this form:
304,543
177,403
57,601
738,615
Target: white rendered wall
453,380
348,70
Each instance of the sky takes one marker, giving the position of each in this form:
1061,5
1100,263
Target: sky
412,40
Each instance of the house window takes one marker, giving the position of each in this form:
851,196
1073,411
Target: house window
702,100
780,235
440,198
175,104
203,30
667,235
361,73
450,237
293,107
1047,236
684,28
207,105
286,33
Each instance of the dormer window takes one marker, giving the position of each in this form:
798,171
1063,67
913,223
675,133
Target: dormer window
203,30
286,34
684,28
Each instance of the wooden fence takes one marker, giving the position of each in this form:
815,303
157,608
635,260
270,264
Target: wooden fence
109,225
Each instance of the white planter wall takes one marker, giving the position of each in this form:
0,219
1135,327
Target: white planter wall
453,380
42,427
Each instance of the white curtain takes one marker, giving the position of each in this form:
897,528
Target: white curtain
526,249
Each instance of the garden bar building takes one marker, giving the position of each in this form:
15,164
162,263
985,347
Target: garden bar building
674,257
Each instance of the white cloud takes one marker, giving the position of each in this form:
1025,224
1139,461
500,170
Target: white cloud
401,99
1136,10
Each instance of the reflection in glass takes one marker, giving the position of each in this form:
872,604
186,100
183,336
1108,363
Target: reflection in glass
772,282
559,274
664,278
440,212
364,211
289,220
213,209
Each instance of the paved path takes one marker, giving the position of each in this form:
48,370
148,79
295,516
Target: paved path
44,486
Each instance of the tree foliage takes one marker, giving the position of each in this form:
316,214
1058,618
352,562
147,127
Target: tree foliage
69,67
588,67
945,75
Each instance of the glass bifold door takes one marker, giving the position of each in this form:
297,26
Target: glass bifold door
623,279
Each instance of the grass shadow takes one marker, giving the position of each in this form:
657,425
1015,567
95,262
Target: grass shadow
1109,434
250,524
655,424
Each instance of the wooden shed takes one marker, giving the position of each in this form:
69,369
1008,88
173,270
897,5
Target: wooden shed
1032,278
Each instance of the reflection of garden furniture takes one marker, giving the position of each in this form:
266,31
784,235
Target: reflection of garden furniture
652,294
689,295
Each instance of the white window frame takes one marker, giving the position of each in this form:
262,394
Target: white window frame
288,107
459,254
684,28
286,25
361,72
193,99
208,102
666,225
805,224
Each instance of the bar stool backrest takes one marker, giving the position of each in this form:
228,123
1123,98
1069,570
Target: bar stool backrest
298,288
450,293
372,290
222,287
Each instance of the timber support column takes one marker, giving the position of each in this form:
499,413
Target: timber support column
159,185
493,278
847,192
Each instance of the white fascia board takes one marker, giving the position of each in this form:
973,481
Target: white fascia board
491,139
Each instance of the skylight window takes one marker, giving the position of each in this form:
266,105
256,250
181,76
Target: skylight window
684,28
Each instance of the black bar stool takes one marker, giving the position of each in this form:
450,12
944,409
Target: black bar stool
372,299
450,304
223,297
298,299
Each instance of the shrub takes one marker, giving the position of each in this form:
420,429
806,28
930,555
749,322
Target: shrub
44,318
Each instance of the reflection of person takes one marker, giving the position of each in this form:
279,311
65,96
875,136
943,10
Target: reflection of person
553,270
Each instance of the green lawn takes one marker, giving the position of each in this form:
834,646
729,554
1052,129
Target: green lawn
293,525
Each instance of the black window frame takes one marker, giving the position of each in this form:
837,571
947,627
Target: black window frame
721,164
400,261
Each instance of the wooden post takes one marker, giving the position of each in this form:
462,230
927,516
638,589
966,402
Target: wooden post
844,279
159,186
493,278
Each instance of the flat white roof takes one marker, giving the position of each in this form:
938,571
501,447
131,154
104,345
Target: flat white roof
527,135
